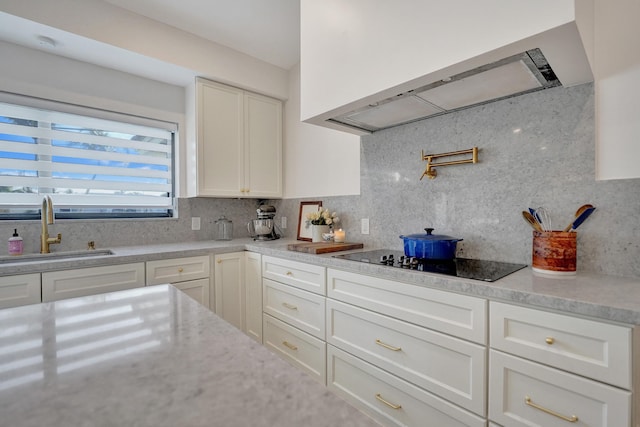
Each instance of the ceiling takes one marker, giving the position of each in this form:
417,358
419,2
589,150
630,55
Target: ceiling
267,30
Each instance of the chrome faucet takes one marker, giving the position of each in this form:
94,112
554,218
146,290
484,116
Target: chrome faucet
47,218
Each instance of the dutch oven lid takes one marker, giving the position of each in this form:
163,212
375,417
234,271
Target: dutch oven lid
430,237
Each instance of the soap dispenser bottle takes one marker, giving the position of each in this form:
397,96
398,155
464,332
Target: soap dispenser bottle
15,243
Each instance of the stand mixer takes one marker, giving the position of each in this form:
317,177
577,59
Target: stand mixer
264,227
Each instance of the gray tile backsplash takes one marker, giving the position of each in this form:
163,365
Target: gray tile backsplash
535,150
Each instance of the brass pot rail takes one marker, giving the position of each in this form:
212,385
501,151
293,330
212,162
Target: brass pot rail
431,173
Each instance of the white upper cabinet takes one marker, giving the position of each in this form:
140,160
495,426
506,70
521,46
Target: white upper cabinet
617,89
239,143
354,54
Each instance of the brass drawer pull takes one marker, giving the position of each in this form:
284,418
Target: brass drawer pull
289,345
289,273
549,340
180,269
571,419
289,306
387,346
389,404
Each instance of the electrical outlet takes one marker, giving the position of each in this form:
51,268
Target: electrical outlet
364,226
195,223
283,222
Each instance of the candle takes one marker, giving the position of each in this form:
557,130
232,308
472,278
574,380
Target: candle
339,236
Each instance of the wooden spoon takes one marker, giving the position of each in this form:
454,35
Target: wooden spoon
532,221
579,212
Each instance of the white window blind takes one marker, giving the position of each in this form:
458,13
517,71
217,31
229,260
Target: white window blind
86,164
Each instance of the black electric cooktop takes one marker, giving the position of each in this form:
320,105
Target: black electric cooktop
488,271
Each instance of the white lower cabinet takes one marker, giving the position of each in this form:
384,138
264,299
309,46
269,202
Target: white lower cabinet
525,393
238,291
389,399
550,369
20,290
446,366
190,274
57,285
299,348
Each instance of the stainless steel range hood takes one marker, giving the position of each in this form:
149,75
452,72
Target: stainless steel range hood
512,76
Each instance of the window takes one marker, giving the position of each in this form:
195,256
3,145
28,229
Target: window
91,167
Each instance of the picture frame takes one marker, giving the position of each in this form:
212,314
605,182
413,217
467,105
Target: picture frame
304,232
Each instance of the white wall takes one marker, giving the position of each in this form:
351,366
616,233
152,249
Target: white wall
318,161
105,23
617,89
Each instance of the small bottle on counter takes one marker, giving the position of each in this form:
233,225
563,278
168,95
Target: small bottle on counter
15,243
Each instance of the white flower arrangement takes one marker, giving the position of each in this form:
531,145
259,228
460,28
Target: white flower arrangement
322,217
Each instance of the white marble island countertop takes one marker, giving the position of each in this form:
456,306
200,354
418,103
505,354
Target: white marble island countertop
150,357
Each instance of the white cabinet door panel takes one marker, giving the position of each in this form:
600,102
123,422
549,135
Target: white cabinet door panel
389,399
454,314
299,348
302,309
20,290
527,394
447,366
596,350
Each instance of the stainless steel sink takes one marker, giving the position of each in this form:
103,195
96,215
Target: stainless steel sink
54,256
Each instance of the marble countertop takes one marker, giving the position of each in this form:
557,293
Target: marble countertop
605,297
150,357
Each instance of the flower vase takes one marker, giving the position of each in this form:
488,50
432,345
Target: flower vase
316,232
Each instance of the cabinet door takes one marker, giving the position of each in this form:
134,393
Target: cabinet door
57,285
196,289
253,295
263,146
528,394
229,290
20,290
177,270
220,135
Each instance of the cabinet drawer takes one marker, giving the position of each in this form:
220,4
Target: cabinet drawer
308,277
299,348
523,393
389,399
447,366
57,285
447,312
594,349
177,270
301,309
20,290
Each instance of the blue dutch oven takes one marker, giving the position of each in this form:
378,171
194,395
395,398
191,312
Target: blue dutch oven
430,246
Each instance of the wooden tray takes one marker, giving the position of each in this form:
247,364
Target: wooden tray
323,247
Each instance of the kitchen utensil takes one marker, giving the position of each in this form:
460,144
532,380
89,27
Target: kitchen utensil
580,219
579,212
532,221
224,229
543,218
430,246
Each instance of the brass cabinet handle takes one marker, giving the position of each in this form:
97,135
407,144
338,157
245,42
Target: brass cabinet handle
386,402
289,345
289,306
219,261
571,419
180,269
549,340
390,347
289,273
